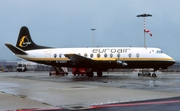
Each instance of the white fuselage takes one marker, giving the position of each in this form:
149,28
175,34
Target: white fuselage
96,53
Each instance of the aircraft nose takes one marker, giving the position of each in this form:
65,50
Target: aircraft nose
172,60
169,59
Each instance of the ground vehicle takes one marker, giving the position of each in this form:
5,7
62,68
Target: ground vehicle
78,71
21,68
59,71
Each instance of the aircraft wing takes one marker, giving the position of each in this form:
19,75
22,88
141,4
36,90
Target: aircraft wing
77,58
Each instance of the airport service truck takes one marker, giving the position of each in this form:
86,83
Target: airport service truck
21,67
78,71
59,71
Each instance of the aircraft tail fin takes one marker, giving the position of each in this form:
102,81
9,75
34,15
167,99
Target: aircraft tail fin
25,42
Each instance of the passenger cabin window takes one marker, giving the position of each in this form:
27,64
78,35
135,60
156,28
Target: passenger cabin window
85,54
91,55
111,55
137,55
55,55
130,55
98,55
105,55
60,55
118,55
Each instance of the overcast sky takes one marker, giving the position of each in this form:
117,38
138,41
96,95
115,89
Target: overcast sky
68,23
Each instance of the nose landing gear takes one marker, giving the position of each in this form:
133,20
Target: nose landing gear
147,73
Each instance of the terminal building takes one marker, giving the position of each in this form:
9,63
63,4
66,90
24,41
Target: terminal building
11,65
174,68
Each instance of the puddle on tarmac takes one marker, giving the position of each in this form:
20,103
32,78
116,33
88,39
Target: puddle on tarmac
152,83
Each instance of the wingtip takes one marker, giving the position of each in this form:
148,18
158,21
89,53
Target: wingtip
7,44
15,50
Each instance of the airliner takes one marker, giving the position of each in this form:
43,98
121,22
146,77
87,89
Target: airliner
94,59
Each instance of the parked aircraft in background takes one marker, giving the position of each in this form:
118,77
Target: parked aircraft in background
94,59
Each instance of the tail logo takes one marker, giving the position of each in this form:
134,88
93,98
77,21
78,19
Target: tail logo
24,42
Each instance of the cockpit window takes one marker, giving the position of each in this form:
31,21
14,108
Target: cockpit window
159,52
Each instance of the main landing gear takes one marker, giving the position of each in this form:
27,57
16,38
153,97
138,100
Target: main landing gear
154,75
99,73
59,71
91,74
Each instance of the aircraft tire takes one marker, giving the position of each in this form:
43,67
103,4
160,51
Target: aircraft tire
149,74
154,75
99,73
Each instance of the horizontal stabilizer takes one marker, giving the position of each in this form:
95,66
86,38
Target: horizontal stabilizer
16,50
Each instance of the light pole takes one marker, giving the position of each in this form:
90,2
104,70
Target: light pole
93,36
144,15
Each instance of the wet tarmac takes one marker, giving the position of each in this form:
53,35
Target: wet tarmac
38,90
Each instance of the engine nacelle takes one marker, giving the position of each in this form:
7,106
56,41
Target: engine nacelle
119,62
124,64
